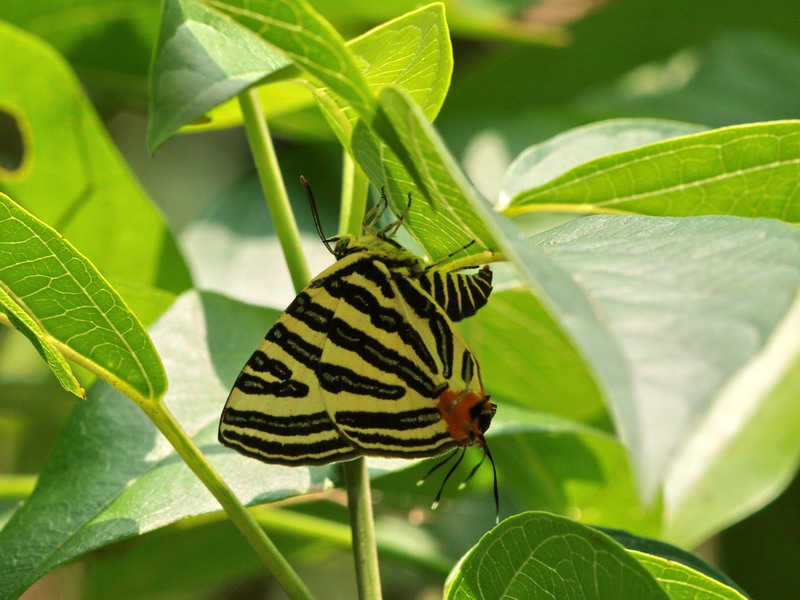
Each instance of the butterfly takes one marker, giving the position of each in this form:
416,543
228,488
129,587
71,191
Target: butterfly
366,361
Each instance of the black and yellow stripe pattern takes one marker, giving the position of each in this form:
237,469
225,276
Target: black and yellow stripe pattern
365,361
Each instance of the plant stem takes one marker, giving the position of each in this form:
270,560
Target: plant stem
354,196
362,525
356,477
244,521
16,487
269,174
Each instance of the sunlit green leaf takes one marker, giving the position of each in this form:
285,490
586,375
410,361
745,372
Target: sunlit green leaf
683,583
668,312
745,170
17,317
73,178
66,306
307,39
541,556
202,60
541,163
441,218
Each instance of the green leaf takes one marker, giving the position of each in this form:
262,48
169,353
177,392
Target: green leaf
440,217
22,321
108,43
562,466
745,170
73,178
684,583
526,358
541,163
668,312
413,52
201,60
746,450
67,307
308,40
652,552
111,476
537,555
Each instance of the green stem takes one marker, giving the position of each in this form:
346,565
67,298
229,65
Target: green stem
299,525
269,174
362,525
244,521
354,196
16,487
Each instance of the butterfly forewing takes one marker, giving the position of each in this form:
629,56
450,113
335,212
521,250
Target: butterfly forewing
380,377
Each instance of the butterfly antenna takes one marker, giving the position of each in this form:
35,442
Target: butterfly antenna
463,484
496,493
315,214
437,465
435,504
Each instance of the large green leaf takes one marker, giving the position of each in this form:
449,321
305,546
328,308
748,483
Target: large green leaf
63,304
308,40
745,451
526,358
541,556
746,170
111,475
646,299
416,162
670,313
73,178
201,60
541,163
107,42
683,583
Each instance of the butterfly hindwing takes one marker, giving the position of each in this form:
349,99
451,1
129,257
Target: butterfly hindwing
460,294
274,411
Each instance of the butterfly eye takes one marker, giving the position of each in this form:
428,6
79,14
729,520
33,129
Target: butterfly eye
486,416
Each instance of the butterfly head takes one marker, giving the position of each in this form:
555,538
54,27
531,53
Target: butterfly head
342,245
468,415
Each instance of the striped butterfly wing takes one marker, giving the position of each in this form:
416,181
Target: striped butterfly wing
275,411
460,294
390,357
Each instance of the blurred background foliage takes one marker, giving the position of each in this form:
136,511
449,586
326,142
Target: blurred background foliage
524,71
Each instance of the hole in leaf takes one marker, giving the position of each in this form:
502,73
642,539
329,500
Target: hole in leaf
12,146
